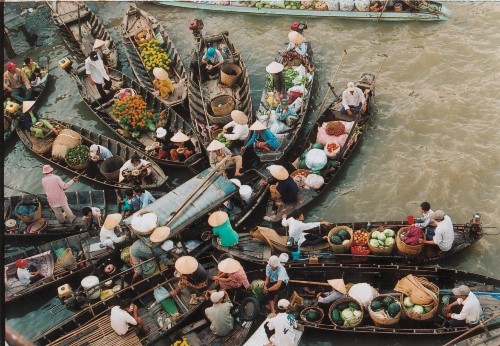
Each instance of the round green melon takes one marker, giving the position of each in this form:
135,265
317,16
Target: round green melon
312,315
336,240
336,316
354,306
344,234
303,155
376,305
388,301
393,309
302,164
318,146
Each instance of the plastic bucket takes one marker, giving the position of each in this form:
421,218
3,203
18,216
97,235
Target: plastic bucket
246,193
91,285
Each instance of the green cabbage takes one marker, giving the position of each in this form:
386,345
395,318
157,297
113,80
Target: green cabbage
408,303
375,234
381,243
389,241
357,314
389,232
347,314
417,309
381,236
374,242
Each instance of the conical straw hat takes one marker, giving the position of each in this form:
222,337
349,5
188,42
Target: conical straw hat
279,172
295,37
339,285
27,105
179,137
274,67
112,220
229,266
186,265
160,234
160,73
215,145
239,117
98,43
217,218
257,126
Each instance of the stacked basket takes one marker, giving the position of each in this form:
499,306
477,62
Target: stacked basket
419,296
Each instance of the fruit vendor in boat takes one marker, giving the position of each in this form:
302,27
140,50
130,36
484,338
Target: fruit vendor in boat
240,130
275,284
286,190
263,138
221,227
296,228
279,329
275,69
221,157
353,100
182,147
210,63
231,275
192,274
464,308
162,82
135,169
296,49
425,222
444,234
16,83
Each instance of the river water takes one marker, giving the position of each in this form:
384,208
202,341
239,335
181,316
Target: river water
433,136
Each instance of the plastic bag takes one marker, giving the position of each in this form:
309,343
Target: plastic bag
297,104
160,293
363,293
333,5
315,181
144,224
278,127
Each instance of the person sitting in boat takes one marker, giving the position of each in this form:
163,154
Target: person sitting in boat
29,67
231,275
27,273
29,118
220,157
99,46
296,49
192,274
263,138
326,298
469,314
279,329
125,314
135,169
443,234
35,80
16,83
240,130
182,147
296,228
425,222
145,197
162,144
219,220
211,63
130,203
108,234
286,114
99,153
275,283
275,69
353,100
364,293
91,219
162,82
286,190
219,314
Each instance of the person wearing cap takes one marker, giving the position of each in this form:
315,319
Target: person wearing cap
92,217
471,311
135,164
221,227
16,82
126,314
145,197
240,132
211,63
221,157
286,114
297,226
108,234
443,234
286,190
99,153
98,47
53,187
425,222
162,82
296,49
231,275
263,138
182,147
192,274
280,328
275,69
275,283
162,144
27,273
97,73
219,314
353,100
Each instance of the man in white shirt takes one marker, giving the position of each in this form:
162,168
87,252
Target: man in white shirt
124,314
240,129
353,100
135,164
471,311
296,228
107,234
95,70
27,274
443,235
283,326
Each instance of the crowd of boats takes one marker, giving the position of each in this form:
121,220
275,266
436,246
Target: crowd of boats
91,276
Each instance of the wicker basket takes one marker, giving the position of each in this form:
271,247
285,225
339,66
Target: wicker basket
387,250
65,140
384,322
405,249
319,311
222,105
25,218
145,232
340,248
339,302
230,74
429,315
38,226
110,168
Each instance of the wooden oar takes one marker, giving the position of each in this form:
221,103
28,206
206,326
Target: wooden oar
480,325
309,283
383,9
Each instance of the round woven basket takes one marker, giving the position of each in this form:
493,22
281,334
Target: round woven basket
317,310
65,140
151,229
384,322
339,302
405,249
429,315
222,106
230,74
386,250
25,218
110,168
340,248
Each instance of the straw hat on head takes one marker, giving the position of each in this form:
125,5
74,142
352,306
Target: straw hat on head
179,137
239,117
112,220
186,265
258,126
98,43
160,234
47,169
274,67
215,145
217,218
160,73
27,105
295,37
338,284
279,172
229,266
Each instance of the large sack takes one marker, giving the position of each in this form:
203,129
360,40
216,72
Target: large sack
65,140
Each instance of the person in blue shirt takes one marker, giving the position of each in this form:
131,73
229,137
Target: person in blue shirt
286,114
263,138
286,190
276,282
145,197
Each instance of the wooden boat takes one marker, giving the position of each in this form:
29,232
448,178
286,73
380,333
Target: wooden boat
288,137
259,337
261,243
170,120
80,28
487,333
211,101
42,147
199,333
422,11
137,21
384,278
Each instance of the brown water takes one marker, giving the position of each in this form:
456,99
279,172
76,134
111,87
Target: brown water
433,137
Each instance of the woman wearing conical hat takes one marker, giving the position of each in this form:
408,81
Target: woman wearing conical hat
263,138
275,69
286,190
99,47
231,275
221,157
107,234
240,129
162,82
219,220
192,274
182,147
296,49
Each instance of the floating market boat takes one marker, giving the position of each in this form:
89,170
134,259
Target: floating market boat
259,337
145,39
154,114
199,333
213,97
108,177
405,11
80,28
487,333
304,278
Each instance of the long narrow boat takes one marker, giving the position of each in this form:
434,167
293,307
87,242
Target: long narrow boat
486,333
287,138
262,242
259,337
80,27
384,278
166,117
41,147
211,101
137,22
199,333
421,11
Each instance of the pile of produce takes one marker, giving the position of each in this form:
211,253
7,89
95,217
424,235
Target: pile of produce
294,5
132,114
384,239
360,242
222,139
415,308
257,288
335,128
385,307
77,156
154,56
342,237
346,314
290,75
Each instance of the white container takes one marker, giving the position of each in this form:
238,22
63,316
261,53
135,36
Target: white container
236,182
245,193
91,285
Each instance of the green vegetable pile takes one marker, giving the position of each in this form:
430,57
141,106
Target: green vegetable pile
257,288
290,75
416,309
222,139
347,314
77,155
383,239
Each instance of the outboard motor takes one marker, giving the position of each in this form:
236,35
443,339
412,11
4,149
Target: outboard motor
475,226
196,26
66,64
71,300
298,26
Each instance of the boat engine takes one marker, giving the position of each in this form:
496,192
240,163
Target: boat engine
298,26
475,226
196,26
72,301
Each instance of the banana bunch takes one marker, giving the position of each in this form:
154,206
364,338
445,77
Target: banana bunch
153,55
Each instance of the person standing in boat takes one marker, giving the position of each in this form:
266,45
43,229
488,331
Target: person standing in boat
275,69
162,82
353,100
145,197
97,73
240,131
27,273
16,82
221,157
471,312
296,228
296,49
263,138
219,220
108,234
275,284
425,222
286,190
192,274
124,314
280,329
219,314
211,63
99,46
54,187
182,147
444,234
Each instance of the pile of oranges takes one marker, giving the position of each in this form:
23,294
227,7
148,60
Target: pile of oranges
132,114
153,55
360,242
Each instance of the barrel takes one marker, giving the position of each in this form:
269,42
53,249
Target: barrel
91,285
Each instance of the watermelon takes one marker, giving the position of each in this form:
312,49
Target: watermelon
303,155
387,301
376,305
302,164
354,306
318,146
312,315
393,309
336,240
343,306
336,316
344,234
